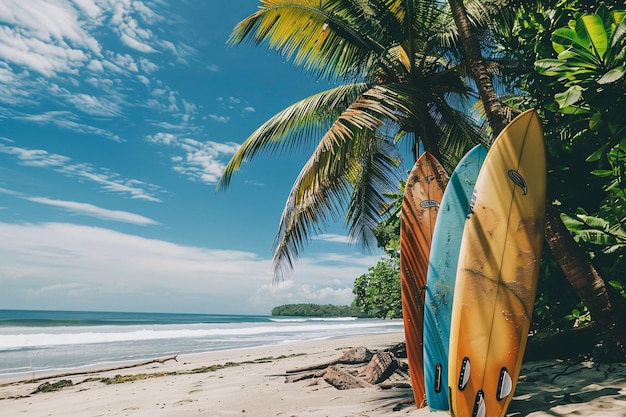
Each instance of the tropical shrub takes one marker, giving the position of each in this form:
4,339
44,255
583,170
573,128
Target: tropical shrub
590,69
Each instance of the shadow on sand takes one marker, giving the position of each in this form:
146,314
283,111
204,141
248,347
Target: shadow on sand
558,388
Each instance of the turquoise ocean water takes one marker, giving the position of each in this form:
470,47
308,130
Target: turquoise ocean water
44,342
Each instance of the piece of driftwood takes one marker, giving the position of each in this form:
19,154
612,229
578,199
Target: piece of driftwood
307,375
355,355
382,365
357,368
94,371
393,384
399,350
342,379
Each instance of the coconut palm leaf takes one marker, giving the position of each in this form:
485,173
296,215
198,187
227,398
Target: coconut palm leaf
297,126
333,173
334,38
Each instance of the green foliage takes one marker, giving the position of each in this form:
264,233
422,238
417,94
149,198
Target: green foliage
317,310
579,94
378,292
590,64
387,232
586,105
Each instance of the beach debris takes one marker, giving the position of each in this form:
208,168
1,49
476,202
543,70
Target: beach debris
382,365
355,355
53,386
98,371
319,373
358,368
342,379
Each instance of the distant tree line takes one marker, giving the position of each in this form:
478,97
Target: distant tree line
317,310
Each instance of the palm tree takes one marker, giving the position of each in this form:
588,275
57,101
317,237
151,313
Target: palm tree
394,83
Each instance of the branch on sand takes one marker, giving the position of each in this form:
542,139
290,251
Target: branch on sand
96,371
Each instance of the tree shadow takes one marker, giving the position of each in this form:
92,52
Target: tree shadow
589,389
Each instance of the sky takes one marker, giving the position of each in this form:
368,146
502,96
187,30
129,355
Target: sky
117,118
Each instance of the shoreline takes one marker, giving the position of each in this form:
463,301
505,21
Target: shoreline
251,382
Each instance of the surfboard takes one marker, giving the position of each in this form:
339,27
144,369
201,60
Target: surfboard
497,271
420,204
441,276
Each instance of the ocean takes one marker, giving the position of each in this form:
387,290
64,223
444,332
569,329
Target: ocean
34,342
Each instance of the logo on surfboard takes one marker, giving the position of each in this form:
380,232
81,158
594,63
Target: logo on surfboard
429,204
518,180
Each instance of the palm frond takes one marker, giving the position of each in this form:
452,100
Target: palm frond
326,182
330,38
296,126
377,174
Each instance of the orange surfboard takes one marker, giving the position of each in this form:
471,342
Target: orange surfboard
497,272
420,205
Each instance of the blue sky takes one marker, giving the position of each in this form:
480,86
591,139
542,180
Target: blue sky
116,120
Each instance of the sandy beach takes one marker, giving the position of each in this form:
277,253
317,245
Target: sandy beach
251,382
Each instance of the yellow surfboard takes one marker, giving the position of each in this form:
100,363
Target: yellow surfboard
420,205
497,272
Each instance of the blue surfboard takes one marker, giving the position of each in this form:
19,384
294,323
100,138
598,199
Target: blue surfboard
441,276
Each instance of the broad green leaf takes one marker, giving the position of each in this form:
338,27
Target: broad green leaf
577,56
597,154
563,38
620,31
602,172
595,222
613,75
612,248
548,63
618,231
590,28
572,224
595,122
574,110
596,237
569,97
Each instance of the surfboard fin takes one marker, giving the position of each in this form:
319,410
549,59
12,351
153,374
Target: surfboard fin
438,377
505,384
465,374
480,410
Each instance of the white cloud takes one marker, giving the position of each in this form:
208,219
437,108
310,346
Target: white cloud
89,8
163,138
204,160
95,211
95,106
147,66
201,161
95,65
330,237
67,120
61,40
44,36
134,43
221,119
107,180
54,264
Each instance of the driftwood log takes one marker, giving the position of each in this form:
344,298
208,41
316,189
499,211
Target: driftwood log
358,368
355,355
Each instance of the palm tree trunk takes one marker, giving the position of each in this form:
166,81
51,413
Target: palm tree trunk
494,110
582,275
577,267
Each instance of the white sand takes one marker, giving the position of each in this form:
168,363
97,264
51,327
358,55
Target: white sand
259,389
